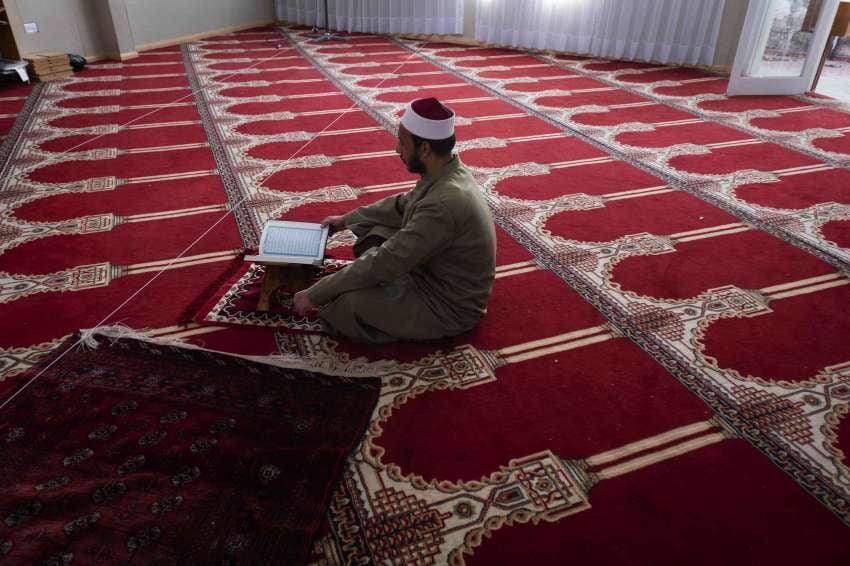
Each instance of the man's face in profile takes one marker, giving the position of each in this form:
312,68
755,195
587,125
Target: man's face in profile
406,150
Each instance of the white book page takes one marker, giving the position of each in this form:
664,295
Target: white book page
287,241
294,242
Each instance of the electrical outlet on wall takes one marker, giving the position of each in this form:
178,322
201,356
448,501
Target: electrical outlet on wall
31,27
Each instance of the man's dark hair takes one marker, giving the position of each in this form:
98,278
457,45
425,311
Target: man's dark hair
440,147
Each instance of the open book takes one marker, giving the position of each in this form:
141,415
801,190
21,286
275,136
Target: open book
285,242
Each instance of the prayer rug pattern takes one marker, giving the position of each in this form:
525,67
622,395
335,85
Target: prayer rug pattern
107,179
650,236
668,323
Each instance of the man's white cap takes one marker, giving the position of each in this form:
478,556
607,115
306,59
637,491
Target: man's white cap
429,119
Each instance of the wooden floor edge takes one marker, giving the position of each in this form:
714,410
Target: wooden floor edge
172,42
195,37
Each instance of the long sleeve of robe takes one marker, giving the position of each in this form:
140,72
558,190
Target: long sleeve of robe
443,239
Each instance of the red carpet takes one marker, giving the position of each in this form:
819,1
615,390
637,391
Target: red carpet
664,371
139,452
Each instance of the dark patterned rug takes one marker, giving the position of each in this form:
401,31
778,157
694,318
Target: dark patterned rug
155,454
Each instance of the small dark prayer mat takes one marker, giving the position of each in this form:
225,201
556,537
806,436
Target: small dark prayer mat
235,302
162,455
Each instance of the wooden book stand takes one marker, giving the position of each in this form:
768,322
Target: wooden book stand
295,277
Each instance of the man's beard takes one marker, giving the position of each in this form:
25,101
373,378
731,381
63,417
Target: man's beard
415,164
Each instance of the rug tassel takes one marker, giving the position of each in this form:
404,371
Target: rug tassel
92,338
89,336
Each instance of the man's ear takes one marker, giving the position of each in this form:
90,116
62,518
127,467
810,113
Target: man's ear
425,148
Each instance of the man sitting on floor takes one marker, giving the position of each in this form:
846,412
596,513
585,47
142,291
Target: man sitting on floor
425,258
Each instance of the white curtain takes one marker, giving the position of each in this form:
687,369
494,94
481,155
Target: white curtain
667,31
377,16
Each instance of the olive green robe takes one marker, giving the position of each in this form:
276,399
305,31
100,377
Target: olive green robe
433,275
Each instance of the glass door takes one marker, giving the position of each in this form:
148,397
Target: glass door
780,46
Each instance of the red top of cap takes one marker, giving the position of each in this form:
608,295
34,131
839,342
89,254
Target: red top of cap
431,108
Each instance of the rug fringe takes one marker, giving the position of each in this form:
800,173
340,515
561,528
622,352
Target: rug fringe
88,338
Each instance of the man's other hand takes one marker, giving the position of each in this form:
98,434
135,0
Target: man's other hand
336,223
302,303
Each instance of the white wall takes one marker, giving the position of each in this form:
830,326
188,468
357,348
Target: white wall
65,26
87,27
730,31
154,21
469,19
